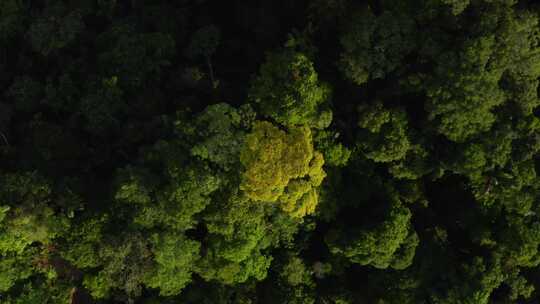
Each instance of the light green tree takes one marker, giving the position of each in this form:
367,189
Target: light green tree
282,167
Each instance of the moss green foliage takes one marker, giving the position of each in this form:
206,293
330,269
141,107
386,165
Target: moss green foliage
374,46
288,90
386,138
300,152
388,244
222,129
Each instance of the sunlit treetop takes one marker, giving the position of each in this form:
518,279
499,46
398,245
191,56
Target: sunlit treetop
282,167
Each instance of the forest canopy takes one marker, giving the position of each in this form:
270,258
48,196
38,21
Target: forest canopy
243,152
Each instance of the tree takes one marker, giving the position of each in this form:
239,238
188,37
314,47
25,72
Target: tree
25,93
282,167
287,90
174,205
375,46
204,43
477,75
27,218
221,129
391,243
175,256
335,153
15,267
100,109
81,244
12,16
125,264
239,235
55,29
383,136
417,163
27,223
134,58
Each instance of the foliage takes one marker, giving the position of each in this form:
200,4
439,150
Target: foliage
55,29
374,46
325,151
386,137
389,244
11,14
204,42
287,90
175,257
282,167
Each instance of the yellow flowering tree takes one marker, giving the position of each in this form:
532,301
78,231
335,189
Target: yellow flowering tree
282,167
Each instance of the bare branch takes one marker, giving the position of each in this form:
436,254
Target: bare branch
5,138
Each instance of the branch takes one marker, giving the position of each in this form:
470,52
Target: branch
5,138
209,63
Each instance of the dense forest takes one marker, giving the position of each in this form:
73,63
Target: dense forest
269,151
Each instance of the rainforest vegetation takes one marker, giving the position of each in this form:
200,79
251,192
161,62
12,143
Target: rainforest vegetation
269,151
